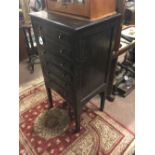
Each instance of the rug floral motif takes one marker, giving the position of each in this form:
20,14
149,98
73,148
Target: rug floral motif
46,131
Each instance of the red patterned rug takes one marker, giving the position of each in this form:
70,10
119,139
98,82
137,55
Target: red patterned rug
51,132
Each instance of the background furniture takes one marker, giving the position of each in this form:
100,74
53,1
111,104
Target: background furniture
23,54
31,46
129,13
27,41
124,81
121,50
27,44
23,4
121,8
75,56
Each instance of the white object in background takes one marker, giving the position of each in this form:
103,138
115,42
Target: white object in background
129,32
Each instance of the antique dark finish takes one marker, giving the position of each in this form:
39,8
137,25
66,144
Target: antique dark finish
75,56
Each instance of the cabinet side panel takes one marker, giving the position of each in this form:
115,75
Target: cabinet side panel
96,46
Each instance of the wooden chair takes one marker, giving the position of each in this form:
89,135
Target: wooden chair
31,46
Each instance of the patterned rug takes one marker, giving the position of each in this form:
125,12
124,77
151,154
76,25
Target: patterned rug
51,132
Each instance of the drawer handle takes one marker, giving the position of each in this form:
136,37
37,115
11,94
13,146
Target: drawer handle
61,51
62,64
60,36
41,40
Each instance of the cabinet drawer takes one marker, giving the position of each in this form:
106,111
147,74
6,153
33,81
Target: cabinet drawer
58,37
57,69
52,32
58,62
59,73
65,84
66,92
59,50
56,34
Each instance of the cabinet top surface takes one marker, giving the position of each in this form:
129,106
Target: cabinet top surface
68,22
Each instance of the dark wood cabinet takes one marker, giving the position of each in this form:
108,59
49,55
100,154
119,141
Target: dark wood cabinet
75,56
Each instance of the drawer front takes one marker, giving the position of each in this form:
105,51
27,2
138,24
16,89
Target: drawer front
58,50
64,88
50,48
51,69
59,62
58,71
53,41
53,32
64,84
56,34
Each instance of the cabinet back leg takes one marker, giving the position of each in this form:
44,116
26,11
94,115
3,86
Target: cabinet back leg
77,117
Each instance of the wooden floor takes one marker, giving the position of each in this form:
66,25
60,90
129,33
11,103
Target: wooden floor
122,109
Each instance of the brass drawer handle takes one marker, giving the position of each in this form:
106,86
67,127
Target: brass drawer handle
62,64
61,51
60,36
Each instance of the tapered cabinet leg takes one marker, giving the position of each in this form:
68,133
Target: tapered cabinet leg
77,117
49,95
103,96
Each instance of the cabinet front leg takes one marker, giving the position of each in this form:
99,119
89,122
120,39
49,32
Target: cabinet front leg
103,96
49,95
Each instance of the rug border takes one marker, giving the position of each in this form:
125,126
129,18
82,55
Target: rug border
27,85
130,148
132,132
121,124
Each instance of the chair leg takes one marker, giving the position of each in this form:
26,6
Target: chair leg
103,96
30,66
49,95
